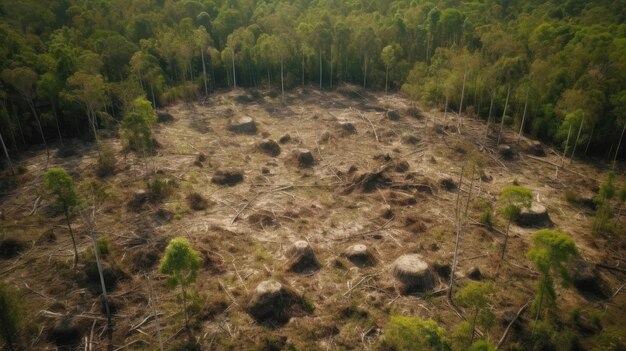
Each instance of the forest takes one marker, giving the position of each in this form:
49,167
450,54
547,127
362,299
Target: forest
312,175
541,66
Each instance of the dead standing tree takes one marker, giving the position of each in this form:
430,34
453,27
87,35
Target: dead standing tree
89,218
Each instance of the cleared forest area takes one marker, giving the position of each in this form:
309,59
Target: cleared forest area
300,210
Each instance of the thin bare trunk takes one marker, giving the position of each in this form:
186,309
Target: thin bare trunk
182,287
489,116
618,146
206,88
506,103
6,153
233,62
458,235
386,77
69,226
461,104
152,94
320,69
282,81
569,133
593,128
331,67
506,239
521,128
154,313
43,137
269,80
365,71
56,120
580,129
445,109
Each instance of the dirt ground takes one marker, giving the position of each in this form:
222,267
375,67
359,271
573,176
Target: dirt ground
359,190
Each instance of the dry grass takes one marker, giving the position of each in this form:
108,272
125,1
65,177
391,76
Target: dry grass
246,230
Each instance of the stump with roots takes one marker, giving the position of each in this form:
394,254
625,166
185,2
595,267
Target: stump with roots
302,158
274,304
392,115
244,125
346,128
301,258
413,274
269,147
360,256
535,217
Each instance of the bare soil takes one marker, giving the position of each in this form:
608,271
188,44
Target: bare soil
391,185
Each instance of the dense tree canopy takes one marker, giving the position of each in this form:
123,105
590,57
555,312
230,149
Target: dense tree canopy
554,64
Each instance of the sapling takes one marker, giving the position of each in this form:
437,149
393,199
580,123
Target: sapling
181,263
514,198
61,186
550,252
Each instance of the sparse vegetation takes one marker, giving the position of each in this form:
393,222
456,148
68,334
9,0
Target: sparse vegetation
11,316
61,186
181,263
513,199
413,333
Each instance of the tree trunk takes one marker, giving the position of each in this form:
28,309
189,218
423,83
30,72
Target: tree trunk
19,126
331,67
458,235
618,146
69,226
282,81
269,80
506,239
6,153
593,128
206,88
104,289
320,70
445,109
489,116
521,128
182,288
461,104
56,119
365,72
152,94
506,103
234,73
32,108
386,77
303,69
569,132
473,325
580,129
154,313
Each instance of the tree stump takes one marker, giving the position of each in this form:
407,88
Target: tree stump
301,258
360,256
269,147
535,217
302,158
413,274
245,125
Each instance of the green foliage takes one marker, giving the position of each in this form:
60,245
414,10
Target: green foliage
550,252
10,315
414,333
482,345
513,199
180,262
475,295
611,339
159,188
137,124
60,184
486,212
106,161
602,221
607,188
103,247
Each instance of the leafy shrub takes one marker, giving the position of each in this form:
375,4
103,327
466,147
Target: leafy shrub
105,165
10,312
159,188
414,333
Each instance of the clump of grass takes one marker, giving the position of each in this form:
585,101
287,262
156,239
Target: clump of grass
486,212
159,188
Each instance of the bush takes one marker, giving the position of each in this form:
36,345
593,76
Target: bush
486,212
159,188
10,312
414,333
106,161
